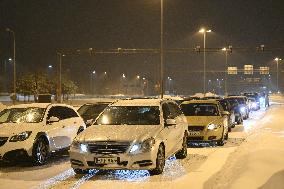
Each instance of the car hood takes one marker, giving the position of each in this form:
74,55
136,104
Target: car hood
119,132
9,129
201,120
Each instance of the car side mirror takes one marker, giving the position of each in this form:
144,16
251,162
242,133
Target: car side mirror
89,122
170,122
52,119
225,113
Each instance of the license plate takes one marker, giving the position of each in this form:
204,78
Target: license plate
194,133
106,160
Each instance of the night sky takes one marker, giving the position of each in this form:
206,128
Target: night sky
44,26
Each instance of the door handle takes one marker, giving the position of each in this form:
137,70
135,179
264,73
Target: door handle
63,126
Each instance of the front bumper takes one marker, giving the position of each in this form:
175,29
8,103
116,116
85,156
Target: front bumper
205,135
11,150
141,161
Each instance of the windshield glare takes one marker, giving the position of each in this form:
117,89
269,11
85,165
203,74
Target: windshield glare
199,109
22,115
130,115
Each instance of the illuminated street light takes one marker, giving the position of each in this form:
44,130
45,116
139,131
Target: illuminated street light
204,31
123,75
277,82
50,66
94,72
138,76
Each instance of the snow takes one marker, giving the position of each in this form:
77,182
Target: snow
252,158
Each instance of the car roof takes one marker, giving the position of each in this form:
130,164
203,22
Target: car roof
200,102
138,102
39,105
236,97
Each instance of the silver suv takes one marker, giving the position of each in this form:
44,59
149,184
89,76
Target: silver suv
132,134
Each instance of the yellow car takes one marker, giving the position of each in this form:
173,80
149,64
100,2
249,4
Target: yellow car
207,121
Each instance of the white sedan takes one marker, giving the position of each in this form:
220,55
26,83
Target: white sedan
132,134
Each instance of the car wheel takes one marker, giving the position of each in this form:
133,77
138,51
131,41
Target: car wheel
80,171
183,152
227,135
221,141
40,151
160,162
230,129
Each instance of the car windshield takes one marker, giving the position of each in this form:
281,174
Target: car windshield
199,109
130,115
91,109
22,115
225,105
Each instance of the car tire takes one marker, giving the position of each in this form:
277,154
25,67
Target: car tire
160,162
183,152
80,171
221,141
40,151
230,129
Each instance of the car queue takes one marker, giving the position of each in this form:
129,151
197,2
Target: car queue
124,134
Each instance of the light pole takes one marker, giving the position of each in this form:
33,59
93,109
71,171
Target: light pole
14,63
204,31
226,68
92,82
277,81
59,76
162,51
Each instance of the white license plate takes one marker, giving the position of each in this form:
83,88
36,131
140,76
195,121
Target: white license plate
106,160
194,133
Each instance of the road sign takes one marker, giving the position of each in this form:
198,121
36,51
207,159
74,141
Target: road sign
264,70
232,70
248,69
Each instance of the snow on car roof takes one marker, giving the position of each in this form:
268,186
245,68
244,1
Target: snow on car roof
137,102
200,101
39,105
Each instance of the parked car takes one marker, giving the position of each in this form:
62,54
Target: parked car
207,122
258,98
236,108
253,104
243,105
132,134
227,107
35,130
89,112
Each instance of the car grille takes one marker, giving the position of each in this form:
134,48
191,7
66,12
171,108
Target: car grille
195,128
3,140
108,147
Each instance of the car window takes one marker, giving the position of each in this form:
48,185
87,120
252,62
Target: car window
200,109
68,112
22,115
167,114
130,115
174,109
55,112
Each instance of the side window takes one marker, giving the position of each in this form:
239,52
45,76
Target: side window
166,111
69,113
175,108
55,112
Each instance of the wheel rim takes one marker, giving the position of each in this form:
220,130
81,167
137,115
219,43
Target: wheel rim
41,152
160,159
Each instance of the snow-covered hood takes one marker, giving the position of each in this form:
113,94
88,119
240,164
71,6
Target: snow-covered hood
10,129
119,132
201,120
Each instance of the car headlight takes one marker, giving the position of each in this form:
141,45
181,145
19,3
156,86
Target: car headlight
212,126
145,146
21,136
243,110
79,146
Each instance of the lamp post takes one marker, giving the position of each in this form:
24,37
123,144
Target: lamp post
226,67
277,81
204,31
14,63
162,51
59,87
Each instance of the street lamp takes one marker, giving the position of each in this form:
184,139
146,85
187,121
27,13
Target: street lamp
277,82
162,51
226,67
204,31
59,95
14,62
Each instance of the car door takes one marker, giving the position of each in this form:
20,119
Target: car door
55,130
71,124
169,132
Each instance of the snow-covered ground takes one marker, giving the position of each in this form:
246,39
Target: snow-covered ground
253,157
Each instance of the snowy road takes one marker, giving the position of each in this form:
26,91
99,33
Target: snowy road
252,158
